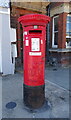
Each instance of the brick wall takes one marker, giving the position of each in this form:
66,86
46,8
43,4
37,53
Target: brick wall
51,24
62,58
13,22
62,30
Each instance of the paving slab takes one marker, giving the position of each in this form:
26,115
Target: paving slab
58,75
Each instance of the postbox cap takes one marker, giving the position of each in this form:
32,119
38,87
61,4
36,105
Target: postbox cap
32,19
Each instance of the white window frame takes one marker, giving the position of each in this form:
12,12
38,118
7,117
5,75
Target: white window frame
7,12
67,36
53,32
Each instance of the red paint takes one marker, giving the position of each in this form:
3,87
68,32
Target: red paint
34,65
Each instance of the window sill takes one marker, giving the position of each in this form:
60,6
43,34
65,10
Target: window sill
68,47
60,50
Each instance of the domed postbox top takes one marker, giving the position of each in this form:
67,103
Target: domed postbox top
32,19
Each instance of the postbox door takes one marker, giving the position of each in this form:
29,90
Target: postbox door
34,58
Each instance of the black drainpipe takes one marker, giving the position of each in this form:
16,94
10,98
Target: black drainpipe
48,36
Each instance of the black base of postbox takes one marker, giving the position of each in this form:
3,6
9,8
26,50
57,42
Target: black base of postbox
34,97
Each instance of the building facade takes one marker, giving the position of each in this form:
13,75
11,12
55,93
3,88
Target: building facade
60,32
58,35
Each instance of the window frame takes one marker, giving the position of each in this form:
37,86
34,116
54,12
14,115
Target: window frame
53,32
67,36
3,12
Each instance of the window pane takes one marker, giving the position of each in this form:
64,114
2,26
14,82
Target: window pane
68,40
68,27
68,34
56,24
56,38
69,18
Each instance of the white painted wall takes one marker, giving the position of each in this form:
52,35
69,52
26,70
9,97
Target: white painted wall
6,36
0,97
0,44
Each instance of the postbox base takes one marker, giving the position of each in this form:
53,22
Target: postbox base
34,97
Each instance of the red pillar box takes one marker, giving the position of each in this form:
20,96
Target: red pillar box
34,40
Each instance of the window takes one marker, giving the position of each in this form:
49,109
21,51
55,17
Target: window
68,32
55,32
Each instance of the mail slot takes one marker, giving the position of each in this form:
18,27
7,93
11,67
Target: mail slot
34,40
35,31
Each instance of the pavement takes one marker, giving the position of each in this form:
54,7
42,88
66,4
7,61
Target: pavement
59,76
0,97
56,94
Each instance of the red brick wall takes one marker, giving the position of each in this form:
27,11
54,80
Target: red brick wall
13,22
18,39
63,58
62,30
51,25
22,11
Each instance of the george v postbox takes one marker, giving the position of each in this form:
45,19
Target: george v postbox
34,40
